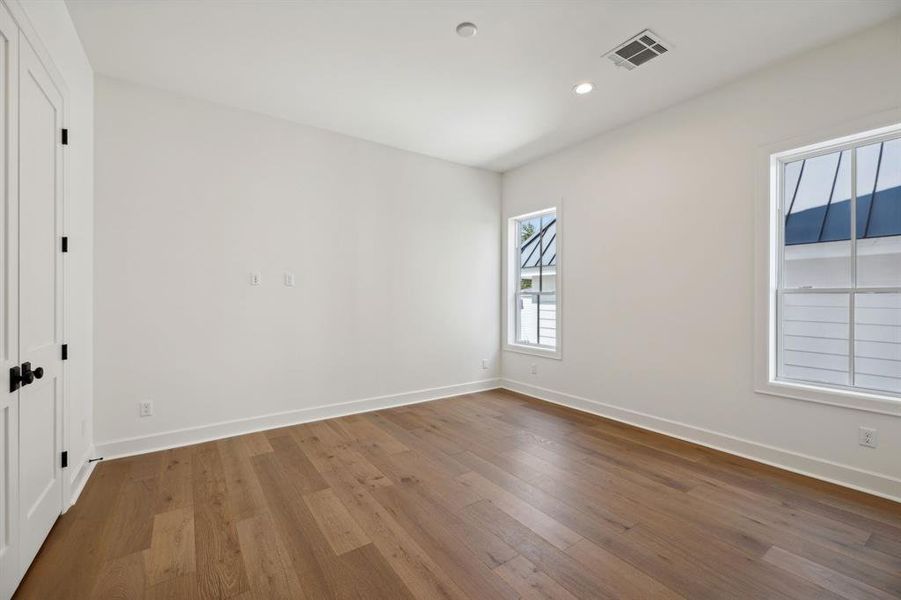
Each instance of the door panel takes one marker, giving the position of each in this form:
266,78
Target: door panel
37,210
38,479
40,317
9,316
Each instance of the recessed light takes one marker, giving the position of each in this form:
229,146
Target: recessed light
580,89
467,29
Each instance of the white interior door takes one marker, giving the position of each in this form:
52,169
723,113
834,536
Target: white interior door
9,306
40,302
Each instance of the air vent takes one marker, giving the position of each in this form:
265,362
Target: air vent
634,52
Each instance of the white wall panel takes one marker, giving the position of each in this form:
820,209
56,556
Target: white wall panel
395,257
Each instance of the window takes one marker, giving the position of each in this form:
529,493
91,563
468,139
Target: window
533,320
836,281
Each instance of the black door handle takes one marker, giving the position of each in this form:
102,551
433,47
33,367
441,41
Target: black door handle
24,376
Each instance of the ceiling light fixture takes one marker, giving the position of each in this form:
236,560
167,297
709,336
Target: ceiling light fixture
580,89
467,29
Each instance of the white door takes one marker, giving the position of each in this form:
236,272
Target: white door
9,306
40,302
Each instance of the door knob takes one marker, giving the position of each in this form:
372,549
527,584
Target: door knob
28,376
24,376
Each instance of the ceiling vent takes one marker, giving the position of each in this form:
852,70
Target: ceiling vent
632,53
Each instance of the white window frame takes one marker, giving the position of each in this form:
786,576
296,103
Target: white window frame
770,230
513,269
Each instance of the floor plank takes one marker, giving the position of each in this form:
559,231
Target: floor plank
556,533
488,495
122,578
219,564
175,487
245,498
171,551
339,528
824,576
266,561
467,554
529,582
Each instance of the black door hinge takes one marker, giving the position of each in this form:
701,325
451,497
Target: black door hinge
65,459
65,137
65,352
65,243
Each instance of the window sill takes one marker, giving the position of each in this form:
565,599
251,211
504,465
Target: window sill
853,399
533,351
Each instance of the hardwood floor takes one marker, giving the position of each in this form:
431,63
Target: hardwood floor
491,495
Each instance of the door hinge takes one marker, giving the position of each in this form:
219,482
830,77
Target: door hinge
65,459
65,243
65,137
65,355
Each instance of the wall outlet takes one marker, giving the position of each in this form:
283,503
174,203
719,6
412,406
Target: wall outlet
534,369
145,408
484,363
289,279
867,437
256,279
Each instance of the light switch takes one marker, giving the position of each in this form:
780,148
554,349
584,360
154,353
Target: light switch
289,279
255,279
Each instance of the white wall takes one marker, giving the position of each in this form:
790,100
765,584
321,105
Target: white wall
54,28
659,256
396,258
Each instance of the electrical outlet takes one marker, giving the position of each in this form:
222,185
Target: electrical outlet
484,363
534,369
868,437
145,408
289,279
256,279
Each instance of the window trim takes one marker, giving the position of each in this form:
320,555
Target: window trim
512,275
769,254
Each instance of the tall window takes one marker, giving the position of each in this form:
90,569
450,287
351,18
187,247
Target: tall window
838,265
534,265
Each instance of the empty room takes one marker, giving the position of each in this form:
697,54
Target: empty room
450,299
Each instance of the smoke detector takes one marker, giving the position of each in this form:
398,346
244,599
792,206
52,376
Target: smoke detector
638,50
467,29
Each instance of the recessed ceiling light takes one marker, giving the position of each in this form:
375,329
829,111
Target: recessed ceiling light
467,29
580,89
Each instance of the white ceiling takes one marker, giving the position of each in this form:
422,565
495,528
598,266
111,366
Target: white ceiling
395,72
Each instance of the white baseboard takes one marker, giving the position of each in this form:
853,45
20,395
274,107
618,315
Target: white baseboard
877,484
205,433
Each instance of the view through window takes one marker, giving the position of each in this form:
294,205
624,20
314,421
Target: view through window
536,280
839,277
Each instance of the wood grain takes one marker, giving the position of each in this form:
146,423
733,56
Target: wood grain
266,560
121,578
529,582
172,547
489,495
219,564
339,528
